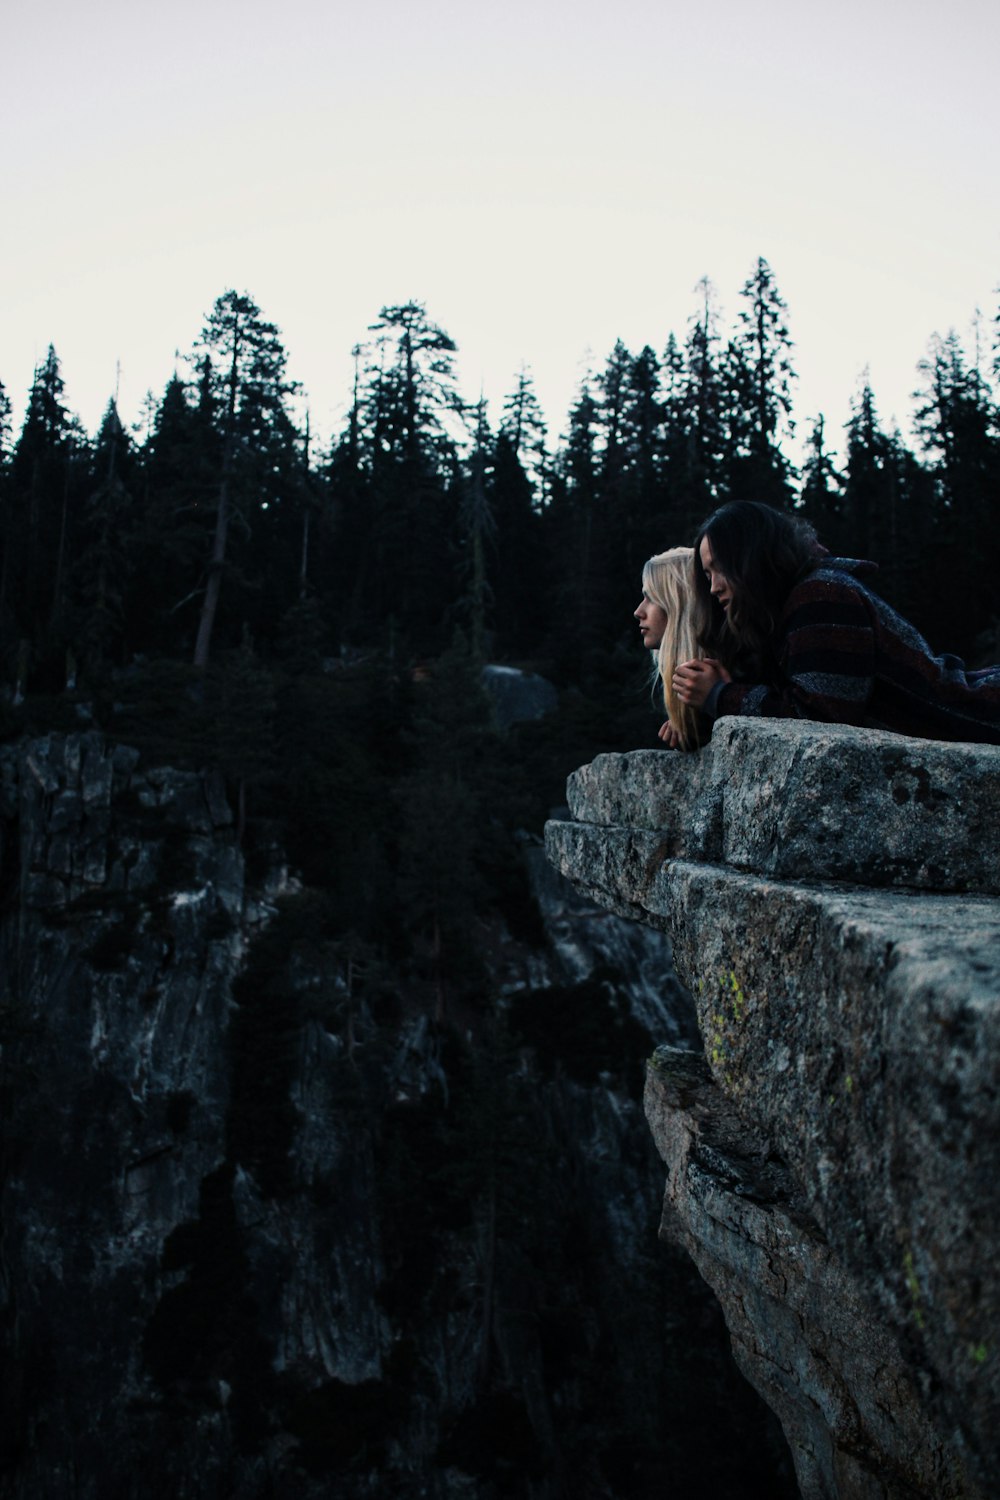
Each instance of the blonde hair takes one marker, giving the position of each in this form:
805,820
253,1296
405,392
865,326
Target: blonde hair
668,579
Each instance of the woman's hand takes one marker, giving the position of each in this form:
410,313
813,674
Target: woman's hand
669,735
694,680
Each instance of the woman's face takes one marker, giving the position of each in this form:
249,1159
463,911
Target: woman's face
719,586
652,621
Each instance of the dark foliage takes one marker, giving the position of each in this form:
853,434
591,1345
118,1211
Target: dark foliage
315,628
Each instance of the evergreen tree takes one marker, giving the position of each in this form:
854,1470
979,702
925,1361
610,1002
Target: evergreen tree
6,518
703,411
104,554
760,376
869,494
347,515
612,385
523,429
520,579
649,520
479,526
573,525
957,423
5,427
683,505
821,496
635,520
243,368
416,391
408,537
883,516
47,475
613,522
175,489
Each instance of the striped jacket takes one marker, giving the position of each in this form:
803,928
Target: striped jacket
845,657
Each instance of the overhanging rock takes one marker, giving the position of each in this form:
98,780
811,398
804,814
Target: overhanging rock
832,899
800,801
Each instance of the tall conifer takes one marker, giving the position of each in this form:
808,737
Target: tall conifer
243,362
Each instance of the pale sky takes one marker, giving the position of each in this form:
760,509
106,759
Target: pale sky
547,177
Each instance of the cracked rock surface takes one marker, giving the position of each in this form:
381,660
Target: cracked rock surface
831,896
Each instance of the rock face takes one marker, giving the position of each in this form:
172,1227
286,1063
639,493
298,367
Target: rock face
270,1235
831,895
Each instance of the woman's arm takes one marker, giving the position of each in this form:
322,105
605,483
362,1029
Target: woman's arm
694,680
826,658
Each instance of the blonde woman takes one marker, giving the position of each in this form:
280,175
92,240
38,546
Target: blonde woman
674,623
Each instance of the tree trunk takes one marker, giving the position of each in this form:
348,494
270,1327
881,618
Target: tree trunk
211,599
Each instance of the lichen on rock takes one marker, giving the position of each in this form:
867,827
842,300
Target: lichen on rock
832,896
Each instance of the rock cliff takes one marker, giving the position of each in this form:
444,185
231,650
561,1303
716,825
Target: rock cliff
271,1232
833,1166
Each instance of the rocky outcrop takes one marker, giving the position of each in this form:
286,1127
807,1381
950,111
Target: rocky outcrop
269,1230
831,897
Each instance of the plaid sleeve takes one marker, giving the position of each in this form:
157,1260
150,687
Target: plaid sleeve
826,658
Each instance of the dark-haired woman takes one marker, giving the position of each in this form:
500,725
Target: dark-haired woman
823,644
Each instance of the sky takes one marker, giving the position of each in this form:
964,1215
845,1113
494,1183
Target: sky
547,176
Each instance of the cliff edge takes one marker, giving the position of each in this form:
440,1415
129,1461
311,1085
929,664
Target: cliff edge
832,896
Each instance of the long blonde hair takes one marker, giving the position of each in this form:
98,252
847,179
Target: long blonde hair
668,579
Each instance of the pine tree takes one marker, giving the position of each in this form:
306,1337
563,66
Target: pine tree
6,518
523,428
760,379
243,362
957,423
651,519
703,408
479,526
684,507
175,488
104,554
47,475
613,518
347,514
573,523
520,583
415,392
5,427
870,493
410,423
821,496
883,505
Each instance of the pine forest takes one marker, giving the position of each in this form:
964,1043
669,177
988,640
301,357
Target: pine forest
216,588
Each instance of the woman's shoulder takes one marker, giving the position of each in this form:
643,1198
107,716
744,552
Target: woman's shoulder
835,591
833,576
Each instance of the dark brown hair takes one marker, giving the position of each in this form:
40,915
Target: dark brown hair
763,553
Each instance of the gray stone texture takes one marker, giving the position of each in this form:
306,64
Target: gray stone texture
799,1321
209,1227
801,801
810,879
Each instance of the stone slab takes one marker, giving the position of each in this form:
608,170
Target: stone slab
803,801
859,1029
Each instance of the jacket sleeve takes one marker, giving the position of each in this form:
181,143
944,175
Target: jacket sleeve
826,658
